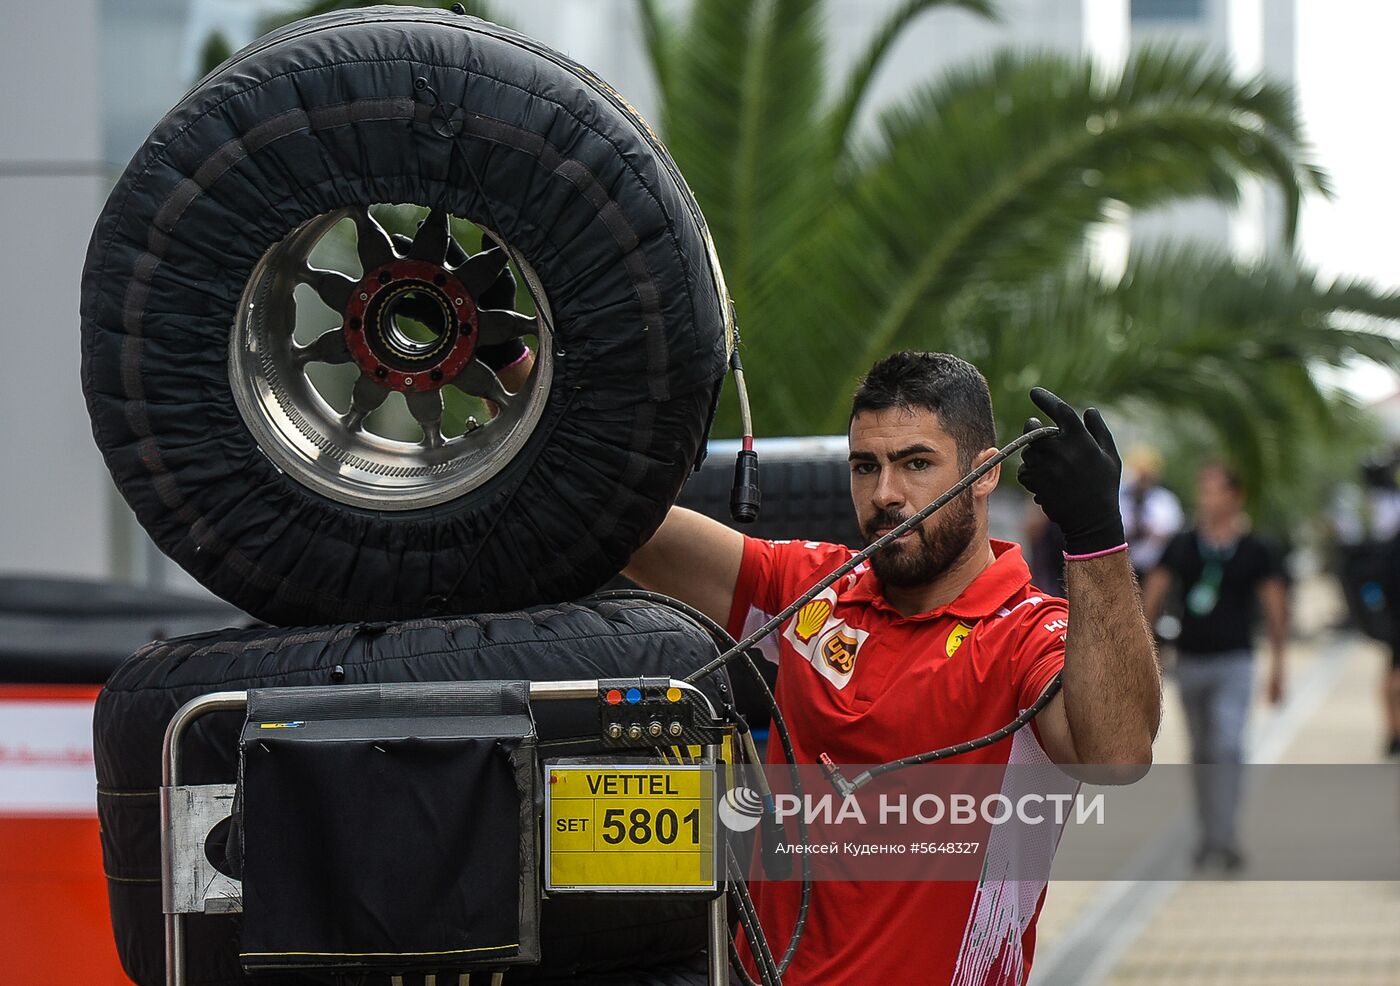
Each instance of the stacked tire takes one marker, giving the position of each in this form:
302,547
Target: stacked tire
283,504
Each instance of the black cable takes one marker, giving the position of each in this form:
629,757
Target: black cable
860,556
748,916
846,788
722,639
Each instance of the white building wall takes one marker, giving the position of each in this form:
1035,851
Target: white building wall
54,491
1257,36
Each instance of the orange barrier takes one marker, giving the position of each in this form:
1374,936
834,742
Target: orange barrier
54,922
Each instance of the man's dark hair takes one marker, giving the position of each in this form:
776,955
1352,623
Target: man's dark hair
950,387
1227,473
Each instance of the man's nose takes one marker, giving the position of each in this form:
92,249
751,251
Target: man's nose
887,494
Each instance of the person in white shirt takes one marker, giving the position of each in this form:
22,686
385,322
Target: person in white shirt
1151,513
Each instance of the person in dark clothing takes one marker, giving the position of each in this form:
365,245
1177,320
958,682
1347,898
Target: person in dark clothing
1228,575
1045,550
1390,681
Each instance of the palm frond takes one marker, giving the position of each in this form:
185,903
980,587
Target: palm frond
741,120
657,38
1198,341
1000,170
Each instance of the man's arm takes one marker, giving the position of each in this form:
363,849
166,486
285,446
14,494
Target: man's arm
1109,707
692,558
1154,594
1273,599
1110,704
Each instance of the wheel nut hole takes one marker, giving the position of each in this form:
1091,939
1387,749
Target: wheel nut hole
381,372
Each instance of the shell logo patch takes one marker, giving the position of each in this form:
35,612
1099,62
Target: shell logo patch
824,640
956,636
811,618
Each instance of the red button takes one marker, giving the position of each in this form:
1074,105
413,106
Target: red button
614,697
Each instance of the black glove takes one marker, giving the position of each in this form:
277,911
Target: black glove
1074,476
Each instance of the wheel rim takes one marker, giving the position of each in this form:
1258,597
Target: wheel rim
413,313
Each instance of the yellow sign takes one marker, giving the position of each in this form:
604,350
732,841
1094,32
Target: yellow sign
629,827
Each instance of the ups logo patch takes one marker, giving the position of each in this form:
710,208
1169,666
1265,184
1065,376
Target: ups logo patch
839,652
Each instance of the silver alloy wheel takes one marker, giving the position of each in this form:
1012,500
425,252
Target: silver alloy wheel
291,409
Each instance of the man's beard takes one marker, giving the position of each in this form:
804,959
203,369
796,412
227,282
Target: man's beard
919,560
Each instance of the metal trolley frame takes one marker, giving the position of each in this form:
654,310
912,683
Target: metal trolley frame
190,884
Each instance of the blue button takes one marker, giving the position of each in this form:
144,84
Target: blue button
634,695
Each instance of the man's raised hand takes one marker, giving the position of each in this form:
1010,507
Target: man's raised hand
1074,476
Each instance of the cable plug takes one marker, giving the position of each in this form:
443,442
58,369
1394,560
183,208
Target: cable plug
745,497
838,780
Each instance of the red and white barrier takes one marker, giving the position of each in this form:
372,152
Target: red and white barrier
54,923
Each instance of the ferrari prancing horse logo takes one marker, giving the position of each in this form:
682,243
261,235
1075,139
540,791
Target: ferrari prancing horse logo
956,636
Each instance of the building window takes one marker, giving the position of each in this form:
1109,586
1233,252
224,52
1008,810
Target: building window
1168,10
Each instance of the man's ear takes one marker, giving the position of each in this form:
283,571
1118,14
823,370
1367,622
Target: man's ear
985,484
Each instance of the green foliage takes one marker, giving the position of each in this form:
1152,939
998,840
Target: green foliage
215,51
960,224
1198,352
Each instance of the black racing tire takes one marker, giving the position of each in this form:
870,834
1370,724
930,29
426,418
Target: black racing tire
396,105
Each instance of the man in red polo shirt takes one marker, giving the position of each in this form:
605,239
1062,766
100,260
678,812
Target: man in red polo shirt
939,639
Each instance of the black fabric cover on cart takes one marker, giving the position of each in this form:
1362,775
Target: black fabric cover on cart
324,115
568,642
389,827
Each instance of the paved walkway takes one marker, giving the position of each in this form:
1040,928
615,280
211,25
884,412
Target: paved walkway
1247,933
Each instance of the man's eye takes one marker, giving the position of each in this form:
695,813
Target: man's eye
919,464
862,468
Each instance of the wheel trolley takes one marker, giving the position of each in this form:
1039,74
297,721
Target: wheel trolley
411,829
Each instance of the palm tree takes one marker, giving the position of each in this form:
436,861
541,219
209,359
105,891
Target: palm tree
961,223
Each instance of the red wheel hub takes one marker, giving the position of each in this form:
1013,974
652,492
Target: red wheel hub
411,325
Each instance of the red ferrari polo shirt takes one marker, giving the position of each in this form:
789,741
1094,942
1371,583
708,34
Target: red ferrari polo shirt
865,685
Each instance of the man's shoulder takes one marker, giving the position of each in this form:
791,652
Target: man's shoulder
787,560
1029,613
1259,541
815,552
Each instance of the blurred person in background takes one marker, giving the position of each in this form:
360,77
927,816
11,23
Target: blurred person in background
1227,574
1151,512
1045,546
1390,679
